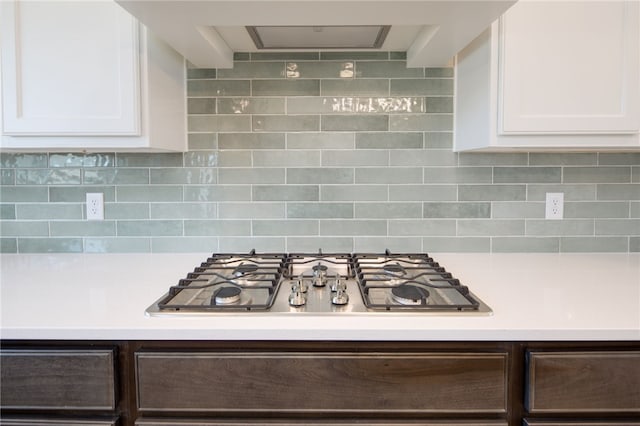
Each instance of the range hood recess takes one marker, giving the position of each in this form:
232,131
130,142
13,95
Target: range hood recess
208,32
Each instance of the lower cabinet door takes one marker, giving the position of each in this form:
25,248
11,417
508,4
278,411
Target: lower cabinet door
528,422
322,382
258,422
58,422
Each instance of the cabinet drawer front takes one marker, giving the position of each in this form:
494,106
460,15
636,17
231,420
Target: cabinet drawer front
583,382
45,422
62,379
270,422
321,382
528,422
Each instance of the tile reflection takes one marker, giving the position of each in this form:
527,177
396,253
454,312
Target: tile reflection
376,105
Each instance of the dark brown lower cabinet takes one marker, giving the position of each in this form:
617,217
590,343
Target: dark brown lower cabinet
49,422
313,423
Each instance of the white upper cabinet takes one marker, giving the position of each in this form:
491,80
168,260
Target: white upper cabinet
87,75
552,75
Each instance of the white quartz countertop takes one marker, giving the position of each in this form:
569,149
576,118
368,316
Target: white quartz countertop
533,297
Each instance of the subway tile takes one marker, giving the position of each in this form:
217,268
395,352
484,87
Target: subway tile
493,159
438,140
200,159
251,140
253,70
241,56
595,209
246,244
354,123
320,175
597,174
320,210
85,228
356,87
619,158
518,210
48,177
202,141
355,55
251,210
457,210
456,244
115,176
240,158
354,193
23,194
184,245
7,177
117,245
78,194
251,175
335,69
440,105
490,227
458,175
219,123
387,69
527,174
49,211
8,211
359,157
222,227
525,244
355,105
619,191
218,88
634,210
149,228
422,193
201,106
635,174
634,244
421,122
285,193
353,227
285,56
81,160
422,227
560,159
313,244
140,193
285,123
394,244
148,160
492,192
398,56
389,140
50,245
217,193
425,87
426,157
198,73
594,244
8,245
251,106
186,175
126,211
15,228
297,158
183,210
284,227
320,140
559,227
388,210
400,175
578,192
287,87
618,227
23,161
438,72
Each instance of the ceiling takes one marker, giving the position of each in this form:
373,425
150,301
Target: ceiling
208,32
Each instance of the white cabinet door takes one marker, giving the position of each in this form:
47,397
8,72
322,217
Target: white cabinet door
69,68
569,67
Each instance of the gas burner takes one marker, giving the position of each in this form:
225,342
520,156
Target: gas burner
394,269
245,269
319,275
408,294
226,296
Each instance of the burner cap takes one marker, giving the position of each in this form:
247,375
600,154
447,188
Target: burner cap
320,267
393,268
407,294
226,296
245,268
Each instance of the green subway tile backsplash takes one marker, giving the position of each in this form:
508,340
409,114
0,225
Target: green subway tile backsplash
339,151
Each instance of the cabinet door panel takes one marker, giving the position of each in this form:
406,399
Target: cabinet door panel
60,379
321,382
258,422
528,422
45,422
583,382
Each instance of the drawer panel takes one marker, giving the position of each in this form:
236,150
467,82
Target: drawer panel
322,382
267,422
46,422
583,382
60,379
528,422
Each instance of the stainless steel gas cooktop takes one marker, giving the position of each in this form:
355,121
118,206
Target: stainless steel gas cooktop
318,283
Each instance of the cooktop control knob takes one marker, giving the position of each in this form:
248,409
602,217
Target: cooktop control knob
297,299
341,298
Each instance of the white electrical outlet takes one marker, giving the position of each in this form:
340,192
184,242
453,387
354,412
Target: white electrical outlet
554,208
95,206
